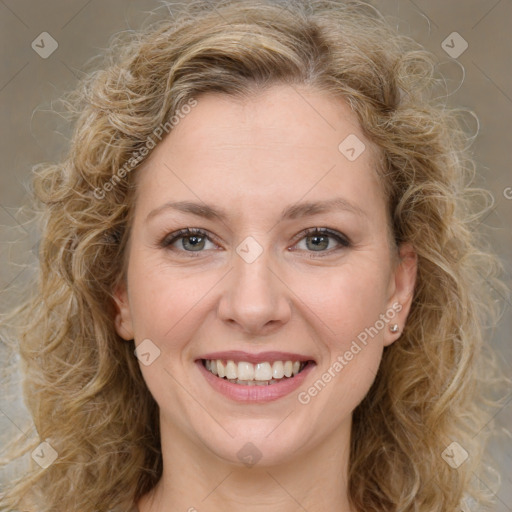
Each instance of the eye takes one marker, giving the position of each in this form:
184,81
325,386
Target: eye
318,239
192,240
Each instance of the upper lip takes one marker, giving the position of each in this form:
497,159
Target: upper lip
240,355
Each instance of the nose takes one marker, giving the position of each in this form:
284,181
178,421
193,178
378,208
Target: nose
255,299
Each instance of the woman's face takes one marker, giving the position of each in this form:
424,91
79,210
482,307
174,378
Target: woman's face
253,290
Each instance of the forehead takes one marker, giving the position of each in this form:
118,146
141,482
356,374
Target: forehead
278,145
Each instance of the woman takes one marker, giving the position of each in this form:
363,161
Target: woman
259,286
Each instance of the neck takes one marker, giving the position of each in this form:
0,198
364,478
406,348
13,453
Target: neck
196,480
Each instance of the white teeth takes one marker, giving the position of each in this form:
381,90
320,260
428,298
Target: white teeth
245,371
260,374
246,382
263,371
221,369
231,370
278,370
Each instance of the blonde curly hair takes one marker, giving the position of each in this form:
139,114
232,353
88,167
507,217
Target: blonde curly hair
83,386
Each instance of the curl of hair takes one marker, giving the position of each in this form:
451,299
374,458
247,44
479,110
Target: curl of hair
83,385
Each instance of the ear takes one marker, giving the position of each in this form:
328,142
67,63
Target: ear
123,318
401,290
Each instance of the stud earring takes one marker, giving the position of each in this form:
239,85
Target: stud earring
393,328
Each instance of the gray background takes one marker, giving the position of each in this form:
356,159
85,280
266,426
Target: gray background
479,79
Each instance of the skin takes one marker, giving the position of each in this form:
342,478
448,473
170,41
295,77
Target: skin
253,158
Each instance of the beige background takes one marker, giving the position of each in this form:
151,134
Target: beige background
480,79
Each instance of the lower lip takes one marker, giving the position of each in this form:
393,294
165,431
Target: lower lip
244,393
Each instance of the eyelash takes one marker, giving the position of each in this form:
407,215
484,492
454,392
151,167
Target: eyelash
184,233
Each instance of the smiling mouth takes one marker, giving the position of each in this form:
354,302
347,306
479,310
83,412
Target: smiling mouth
259,374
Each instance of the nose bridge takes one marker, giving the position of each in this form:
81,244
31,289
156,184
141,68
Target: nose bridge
255,297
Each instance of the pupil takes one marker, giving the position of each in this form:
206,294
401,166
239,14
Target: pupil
194,241
317,239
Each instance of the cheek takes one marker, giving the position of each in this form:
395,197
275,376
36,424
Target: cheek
351,310
346,301
340,388
164,299
347,309
351,333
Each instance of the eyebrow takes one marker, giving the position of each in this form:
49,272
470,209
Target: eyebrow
291,212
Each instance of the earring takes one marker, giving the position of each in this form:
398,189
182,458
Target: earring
393,328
